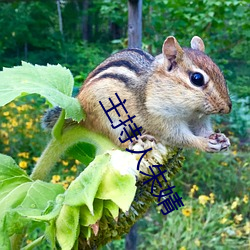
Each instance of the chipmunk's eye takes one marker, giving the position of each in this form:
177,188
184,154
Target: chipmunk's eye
197,79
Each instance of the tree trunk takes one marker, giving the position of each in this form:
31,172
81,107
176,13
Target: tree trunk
85,20
135,23
59,16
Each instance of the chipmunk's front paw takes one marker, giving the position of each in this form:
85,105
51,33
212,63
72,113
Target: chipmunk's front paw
217,142
141,140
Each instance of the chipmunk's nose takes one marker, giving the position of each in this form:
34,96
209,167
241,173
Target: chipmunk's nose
226,109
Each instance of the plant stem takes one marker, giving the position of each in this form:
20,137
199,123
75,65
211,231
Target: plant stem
57,147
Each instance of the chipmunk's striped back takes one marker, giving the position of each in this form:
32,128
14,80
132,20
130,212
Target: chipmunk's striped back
124,66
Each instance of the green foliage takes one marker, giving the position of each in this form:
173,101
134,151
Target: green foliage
239,119
226,175
81,58
203,223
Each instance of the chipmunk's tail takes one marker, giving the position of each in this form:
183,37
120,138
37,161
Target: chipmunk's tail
50,117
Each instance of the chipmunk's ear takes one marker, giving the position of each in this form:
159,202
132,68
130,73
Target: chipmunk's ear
171,49
197,43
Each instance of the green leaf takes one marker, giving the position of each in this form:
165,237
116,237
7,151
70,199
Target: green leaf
26,202
118,188
83,152
14,198
13,223
9,168
53,82
86,218
4,240
39,194
86,231
67,226
112,208
50,234
20,197
83,189
46,216
6,186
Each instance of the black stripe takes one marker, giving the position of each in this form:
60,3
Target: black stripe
118,77
142,53
118,63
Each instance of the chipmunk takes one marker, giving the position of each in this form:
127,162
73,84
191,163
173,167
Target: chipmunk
172,95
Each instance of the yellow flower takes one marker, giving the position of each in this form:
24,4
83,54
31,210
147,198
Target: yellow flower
4,134
203,199
238,218
247,228
235,203
223,220
73,168
6,141
23,164
6,113
70,178
211,195
12,105
14,123
197,242
234,152
77,162
225,164
245,199
29,124
192,190
182,248
55,178
65,163
65,185
24,154
23,107
187,211
35,159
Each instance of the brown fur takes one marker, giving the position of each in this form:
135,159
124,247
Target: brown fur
159,92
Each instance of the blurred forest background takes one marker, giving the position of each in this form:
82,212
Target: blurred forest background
79,34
